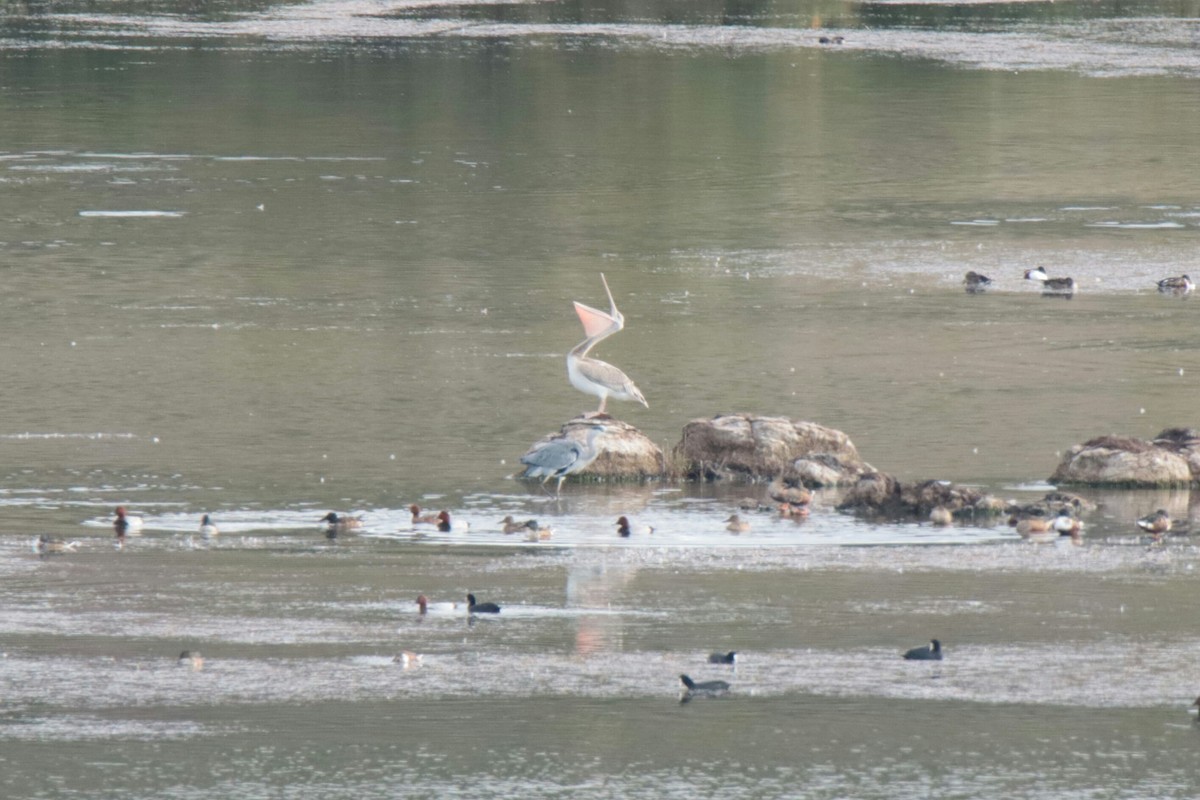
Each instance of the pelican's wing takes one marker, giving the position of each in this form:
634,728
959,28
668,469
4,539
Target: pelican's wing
611,378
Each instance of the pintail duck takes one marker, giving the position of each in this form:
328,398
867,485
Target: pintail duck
975,282
481,608
1176,285
702,689
1050,285
723,658
737,525
930,652
207,528
510,525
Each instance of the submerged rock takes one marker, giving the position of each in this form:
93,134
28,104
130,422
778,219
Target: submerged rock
880,494
1170,460
624,452
750,447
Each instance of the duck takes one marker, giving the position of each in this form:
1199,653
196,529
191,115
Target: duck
782,492
445,526
45,545
737,525
191,658
976,283
408,659
1181,284
481,608
424,606
929,652
125,524
830,39
1050,285
723,658
538,533
422,519
1033,528
790,511
207,528
340,524
510,525
1157,524
625,528
941,516
703,689
1066,523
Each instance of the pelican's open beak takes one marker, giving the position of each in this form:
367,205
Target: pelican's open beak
597,322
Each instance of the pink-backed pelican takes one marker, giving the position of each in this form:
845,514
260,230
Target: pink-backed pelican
591,375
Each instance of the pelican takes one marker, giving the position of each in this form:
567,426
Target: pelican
561,457
591,375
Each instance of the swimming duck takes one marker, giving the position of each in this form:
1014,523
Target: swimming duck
737,524
45,545
481,608
445,526
830,39
1176,285
538,533
207,528
1157,524
422,519
1050,285
125,524
723,658
1033,528
340,524
930,652
782,492
512,526
1066,523
625,528
941,516
975,282
408,659
702,689
191,658
790,511
424,606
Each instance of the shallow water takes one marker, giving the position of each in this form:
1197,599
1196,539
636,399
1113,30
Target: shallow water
264,261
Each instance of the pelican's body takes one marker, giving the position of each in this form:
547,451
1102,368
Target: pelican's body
591,375
737,525
1176,285
1050,285
561,457
481,608
207,528
976,283
1157,524
930,652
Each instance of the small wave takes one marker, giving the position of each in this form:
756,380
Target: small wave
137,214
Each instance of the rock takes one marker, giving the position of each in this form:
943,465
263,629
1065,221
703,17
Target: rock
1131,462
749,447
880,494
625,453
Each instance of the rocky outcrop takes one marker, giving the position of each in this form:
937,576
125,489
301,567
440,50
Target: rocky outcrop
624,452
882,495
750,447
1171,459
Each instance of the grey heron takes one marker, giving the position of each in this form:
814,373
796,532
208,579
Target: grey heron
591,375
561,457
